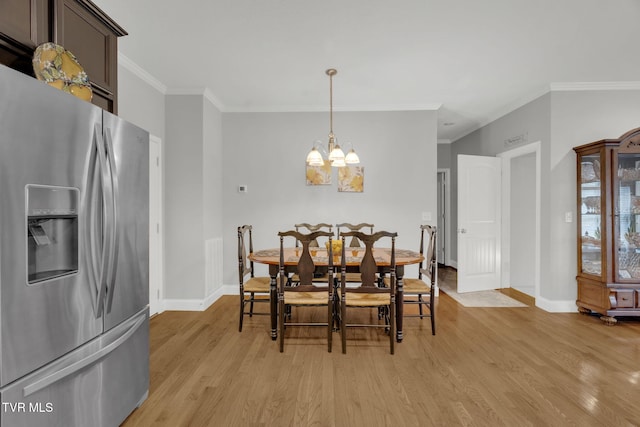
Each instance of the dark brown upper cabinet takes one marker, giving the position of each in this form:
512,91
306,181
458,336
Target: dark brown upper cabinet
78,25
24,24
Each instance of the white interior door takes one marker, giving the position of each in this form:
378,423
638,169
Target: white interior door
155,225
479,212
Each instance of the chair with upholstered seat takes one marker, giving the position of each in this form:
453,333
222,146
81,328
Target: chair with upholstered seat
252,289
417,291
307,293
367,294
353,243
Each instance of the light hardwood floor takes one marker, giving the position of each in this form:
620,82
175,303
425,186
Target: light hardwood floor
484,367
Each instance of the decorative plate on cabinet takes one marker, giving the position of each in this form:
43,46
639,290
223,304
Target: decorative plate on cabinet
58,67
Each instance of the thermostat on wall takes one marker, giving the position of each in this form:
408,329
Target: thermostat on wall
242,188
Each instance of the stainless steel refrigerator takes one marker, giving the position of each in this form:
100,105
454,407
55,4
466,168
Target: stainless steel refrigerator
74,245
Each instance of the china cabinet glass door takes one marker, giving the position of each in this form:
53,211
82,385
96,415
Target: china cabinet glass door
591,214
627,217
608,220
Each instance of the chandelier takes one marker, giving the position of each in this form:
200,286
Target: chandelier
336,155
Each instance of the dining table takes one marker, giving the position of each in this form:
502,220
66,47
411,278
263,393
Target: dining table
382,256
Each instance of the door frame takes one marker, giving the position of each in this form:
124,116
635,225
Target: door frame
156,226
447,215
507,156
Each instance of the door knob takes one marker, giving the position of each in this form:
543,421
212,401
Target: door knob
463,230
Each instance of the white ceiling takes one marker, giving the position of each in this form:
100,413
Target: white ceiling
473,60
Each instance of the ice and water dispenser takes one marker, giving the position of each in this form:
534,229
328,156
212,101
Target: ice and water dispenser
52,232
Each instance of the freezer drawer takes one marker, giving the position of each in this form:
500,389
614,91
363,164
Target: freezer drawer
99,384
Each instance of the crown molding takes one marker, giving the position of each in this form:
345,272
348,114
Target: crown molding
134,68
509,108
201,91
553,87
577,86
214,100
323,108
141,73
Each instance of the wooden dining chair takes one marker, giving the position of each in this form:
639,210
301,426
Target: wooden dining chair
354,242
307,293
252,289
418,291
320,275
306,227
353,276
367,294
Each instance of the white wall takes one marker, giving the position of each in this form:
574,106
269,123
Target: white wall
267,151
207,154
523,221
190,127
140,103
192,195
184,198
532,122
529,123
561,120
212,162
578,118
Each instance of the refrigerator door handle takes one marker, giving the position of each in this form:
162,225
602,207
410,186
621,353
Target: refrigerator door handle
94,251
108,218
82,363
114,237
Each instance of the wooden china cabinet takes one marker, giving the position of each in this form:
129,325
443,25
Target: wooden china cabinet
77,25
608,184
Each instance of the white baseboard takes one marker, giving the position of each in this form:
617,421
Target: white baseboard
185,305
554,306
230,290
551,306
198,304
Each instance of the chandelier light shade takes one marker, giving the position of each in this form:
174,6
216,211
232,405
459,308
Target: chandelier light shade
351,158
336,155
314,158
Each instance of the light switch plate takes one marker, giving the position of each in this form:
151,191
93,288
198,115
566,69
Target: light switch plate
426,216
